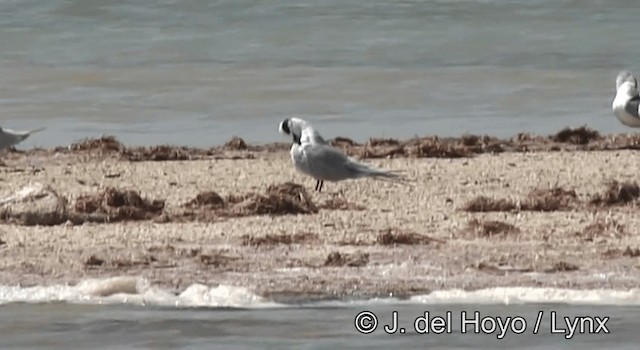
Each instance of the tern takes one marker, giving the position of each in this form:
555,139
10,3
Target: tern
314,156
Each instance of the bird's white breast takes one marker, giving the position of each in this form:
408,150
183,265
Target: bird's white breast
299,158
618,105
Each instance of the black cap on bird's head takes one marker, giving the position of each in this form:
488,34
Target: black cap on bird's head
284,127
288,129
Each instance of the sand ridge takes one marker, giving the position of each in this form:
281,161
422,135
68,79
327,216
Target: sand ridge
551,217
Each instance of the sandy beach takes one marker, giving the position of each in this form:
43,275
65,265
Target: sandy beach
479,212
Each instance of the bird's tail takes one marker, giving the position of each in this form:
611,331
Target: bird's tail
34,131
396,176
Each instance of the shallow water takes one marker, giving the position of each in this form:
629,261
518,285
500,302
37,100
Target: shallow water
198,72
127,312
58,326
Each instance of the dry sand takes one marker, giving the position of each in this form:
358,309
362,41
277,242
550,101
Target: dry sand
367,237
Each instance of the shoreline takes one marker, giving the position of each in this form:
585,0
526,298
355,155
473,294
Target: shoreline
568,139
476,217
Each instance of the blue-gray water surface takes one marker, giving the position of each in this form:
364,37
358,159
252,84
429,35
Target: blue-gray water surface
198,72
60,326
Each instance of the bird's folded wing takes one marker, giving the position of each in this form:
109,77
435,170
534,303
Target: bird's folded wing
632,107
327,162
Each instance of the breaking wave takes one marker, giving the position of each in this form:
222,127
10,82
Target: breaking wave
138,291
133,290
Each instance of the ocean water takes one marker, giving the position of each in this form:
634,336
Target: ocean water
126,313
198,72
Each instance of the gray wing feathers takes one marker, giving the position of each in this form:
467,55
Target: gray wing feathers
327,163
366,170
632,106
10,138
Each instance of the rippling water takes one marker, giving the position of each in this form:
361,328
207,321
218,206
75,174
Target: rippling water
55,326
128,312
198,72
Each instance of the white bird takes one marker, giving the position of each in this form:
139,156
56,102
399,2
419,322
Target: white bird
627,101
314,156
10,137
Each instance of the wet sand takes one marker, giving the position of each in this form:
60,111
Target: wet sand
468,220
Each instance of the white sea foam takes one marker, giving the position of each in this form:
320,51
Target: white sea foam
132,290
527,295
509,295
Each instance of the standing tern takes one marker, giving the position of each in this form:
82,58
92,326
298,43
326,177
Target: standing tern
314,156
